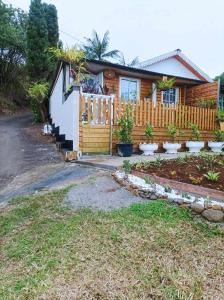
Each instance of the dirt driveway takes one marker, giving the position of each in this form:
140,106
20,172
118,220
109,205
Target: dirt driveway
22,147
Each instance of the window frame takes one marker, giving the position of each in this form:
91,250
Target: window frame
176,96
131,79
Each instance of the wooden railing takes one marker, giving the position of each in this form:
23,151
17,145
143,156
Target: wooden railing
107,110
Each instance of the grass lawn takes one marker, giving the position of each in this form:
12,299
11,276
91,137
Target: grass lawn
148,251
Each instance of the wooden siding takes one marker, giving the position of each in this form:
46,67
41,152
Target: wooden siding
205,91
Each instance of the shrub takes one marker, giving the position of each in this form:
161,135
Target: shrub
195,132
127,166
219,135
206,103
212,176
38,96
149,132
220,115
126,123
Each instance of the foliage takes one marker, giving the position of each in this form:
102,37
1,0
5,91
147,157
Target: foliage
195,131
97,49
133,63
195,180
127,166
38,95
219,135
206,103
13,23
149,131
220,115
75,57
37,42
165,84
126,123
173,131
212,176
221,77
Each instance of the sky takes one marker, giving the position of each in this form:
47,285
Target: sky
147,28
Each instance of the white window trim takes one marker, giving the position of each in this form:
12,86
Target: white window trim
176,96
131,78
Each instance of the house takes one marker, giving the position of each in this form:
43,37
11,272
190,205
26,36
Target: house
84,118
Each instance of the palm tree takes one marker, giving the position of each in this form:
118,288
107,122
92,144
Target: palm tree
97,49
123,62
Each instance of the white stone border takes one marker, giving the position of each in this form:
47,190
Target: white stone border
212,210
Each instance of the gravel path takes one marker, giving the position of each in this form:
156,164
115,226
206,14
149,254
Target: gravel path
100,193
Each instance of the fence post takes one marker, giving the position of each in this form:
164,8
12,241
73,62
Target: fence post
76,112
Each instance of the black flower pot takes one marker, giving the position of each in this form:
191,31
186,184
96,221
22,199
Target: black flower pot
125,150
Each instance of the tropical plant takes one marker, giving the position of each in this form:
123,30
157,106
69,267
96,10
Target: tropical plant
127,166
219,135
212,176
38,95
165,84
206,103
76,59
149,131
97,49
126,124
134,62
195,131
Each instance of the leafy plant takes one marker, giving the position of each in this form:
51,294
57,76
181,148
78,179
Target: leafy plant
185,195
172,131
149,131
158,162
220,115
212,176
76,59
195,180
219,135
165,84
195,131
148,180
127,166
206,103
38,95
167,189
126,123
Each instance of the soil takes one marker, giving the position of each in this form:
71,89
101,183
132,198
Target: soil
191,169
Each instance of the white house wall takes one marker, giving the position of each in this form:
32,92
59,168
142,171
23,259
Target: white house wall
62,112
171,66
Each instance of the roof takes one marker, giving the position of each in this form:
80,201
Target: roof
94,65
182,58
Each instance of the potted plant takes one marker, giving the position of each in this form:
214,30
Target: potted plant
148,148
195,145
217,145
124,133
220,118
172,147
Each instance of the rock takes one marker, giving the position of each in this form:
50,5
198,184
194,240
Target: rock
198,207
213,215
178,201
208,205
216,206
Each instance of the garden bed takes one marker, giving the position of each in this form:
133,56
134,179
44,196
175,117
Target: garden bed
205,170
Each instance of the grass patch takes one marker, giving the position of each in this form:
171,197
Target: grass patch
148,251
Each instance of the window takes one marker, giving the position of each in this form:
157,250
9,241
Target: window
66,78
129,89
170,96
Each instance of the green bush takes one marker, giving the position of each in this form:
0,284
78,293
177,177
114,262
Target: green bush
126,123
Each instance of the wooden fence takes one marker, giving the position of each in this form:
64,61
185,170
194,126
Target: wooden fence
99,110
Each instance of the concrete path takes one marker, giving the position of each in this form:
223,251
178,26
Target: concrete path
58,178
19,151
113,162
100,193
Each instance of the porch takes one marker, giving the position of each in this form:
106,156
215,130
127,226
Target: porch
99,115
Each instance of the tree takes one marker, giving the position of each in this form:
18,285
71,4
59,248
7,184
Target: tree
97,49
13,24
51,17
123,62
37,42
221,77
